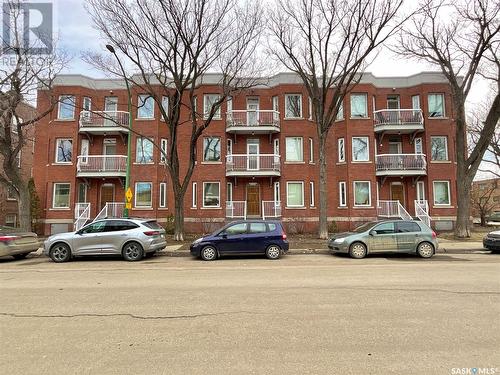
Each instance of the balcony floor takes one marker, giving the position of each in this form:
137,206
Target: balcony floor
268,129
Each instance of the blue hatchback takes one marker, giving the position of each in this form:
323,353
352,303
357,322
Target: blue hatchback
243,237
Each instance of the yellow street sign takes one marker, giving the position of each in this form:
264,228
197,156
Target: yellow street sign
128,206
128,195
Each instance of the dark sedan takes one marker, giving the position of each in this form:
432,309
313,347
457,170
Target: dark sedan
241,238
492,241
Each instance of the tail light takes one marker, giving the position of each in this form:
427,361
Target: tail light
434,235
152,233
8,239
283,235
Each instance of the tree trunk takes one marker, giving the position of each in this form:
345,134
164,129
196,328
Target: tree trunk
24,206
462,226
483,219
323,191
179,217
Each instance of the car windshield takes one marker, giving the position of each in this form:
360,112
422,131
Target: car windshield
365,227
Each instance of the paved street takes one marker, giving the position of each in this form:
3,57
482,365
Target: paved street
303,314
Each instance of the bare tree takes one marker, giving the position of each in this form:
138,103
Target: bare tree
482,199
171,45
22,71
327,44
461,38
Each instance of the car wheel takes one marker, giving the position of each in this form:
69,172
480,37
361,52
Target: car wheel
357,250
132,252
273,252
20,256
425,250
60,252
208,253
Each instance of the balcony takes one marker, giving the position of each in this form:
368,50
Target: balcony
400,165
400,121
104,122
238,209
253,122
253,165
101,166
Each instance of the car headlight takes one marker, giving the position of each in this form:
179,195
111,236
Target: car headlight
339,240
198,240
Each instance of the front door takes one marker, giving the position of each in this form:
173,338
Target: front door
107,194
253,200
253,155
252,111
397,193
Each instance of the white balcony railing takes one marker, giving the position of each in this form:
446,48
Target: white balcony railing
236,209
401,162
392,209
103,164
82,215
271,209
249,118
111,210
252,163
104,119
398,117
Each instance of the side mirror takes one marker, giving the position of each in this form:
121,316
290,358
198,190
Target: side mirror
372,233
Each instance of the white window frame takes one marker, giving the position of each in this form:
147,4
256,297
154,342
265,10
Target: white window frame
54,195
9,222
203,195
447,158
420,188
311,150
434,193
61,98
84,106
300,106
342,194
367,149
162,195
417,100
287,197
276,103
277,192
301,150
229,104
10,194
340,113
341,156
444,105
220,150
57,151
135,194
310,108
311,192
141,105
19,155
369,193
418,141
164,150
142,140
206,111
164,103
194,196
366,105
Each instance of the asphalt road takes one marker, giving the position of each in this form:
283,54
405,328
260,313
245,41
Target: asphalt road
303,314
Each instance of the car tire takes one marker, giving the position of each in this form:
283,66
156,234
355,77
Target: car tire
132,252
208,253
357,250
20,256
60,253
273,252
425,250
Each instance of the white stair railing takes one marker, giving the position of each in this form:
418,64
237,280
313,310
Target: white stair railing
403,214
271,209
236,209
392,209
83,211
422,212
111,210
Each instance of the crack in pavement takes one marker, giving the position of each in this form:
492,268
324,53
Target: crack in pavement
400,290
133,316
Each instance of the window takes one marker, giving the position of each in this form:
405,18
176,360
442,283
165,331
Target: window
146,107
276,106
96,227
311,150
163,195
143,196
342,194
236,229
257,228
60,198
210,100
66,107
362,193
310,109
341,150
84,150
294,151
360,149
295,194
64,150
195,104
229,192
11,194
436,105
384,228
164,105
277,192
82,193
144,151
87,103
311,196
194,195
211,194
441,193
119,225
340,113
211,149
407,227
10,220
420,191
419,148
229,104
359,106
293,106
439,148
164,150
415,101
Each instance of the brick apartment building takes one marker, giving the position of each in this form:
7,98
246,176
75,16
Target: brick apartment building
8,200
390,154
485,194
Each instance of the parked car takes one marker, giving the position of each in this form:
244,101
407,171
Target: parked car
407,236
243,237
492,241
132,238
495,217
17,243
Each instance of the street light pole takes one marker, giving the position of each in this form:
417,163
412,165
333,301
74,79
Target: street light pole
111,49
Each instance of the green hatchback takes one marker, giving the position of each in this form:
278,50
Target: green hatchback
405,236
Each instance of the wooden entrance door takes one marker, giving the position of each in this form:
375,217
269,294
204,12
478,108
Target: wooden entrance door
107,194
253,200
397,193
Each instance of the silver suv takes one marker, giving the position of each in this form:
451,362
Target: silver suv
132,238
